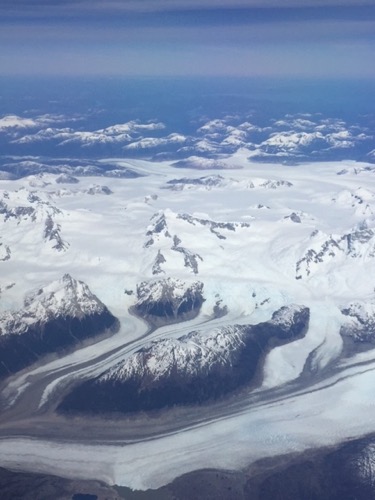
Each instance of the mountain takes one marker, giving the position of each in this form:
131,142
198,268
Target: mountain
168,301
25,209
359,243
197,367
164,238
209,182
360,323
53,318
66,169
194,212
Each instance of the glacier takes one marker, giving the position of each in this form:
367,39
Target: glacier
250,260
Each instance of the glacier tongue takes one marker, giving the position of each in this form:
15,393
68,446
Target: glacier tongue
233,240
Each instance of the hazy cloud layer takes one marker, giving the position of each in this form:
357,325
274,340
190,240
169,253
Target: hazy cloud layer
155,5
209,37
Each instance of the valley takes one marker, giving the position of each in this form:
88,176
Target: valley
175,258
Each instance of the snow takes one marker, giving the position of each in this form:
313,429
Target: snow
61,298
119,133
325,416
153,142
193,354
252,272
287,362
202,163
218,182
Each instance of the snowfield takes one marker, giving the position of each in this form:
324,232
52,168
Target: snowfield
259,237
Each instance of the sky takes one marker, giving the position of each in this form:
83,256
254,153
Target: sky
240,38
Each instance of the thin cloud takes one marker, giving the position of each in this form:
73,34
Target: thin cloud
261,33
45,8
154,5
187,37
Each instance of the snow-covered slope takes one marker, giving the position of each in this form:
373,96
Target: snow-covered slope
360,324
209,182
196,367
248,241
24,213
62,298
52,317
169,243
168,300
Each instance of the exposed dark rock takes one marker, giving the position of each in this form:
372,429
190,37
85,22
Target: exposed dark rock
201,163
99,190
29,486
66,179
190,258
354,244
70,168
360,327
213,225
207,181
5,252
160,259
341,473
344,473
52,232
220,310
53,319
159,226
190,370
168,300
294,217
15,213
61,333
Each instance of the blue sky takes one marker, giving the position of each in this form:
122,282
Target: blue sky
293,38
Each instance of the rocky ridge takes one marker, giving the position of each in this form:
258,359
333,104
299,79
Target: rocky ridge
192,369
54,317
26,208
168,300
360,324
162,236
209,182
357,243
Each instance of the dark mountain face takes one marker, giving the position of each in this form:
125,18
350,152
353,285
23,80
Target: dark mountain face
190,370
53,319
168,300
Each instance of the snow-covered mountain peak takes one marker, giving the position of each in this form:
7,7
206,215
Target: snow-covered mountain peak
26,212
360,321
204,163
171,288
188,356
199,366
357,243
168,300
66,179
176,239
209,182
98,189
286,316
66,297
